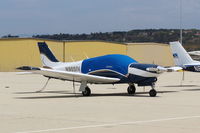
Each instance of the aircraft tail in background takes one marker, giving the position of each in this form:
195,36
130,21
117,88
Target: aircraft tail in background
180,55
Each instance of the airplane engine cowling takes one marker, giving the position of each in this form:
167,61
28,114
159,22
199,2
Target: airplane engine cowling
139,74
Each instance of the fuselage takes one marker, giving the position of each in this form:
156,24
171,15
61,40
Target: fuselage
123,67
192,67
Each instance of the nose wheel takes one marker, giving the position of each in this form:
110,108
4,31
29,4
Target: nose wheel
87,91
153,92
131,89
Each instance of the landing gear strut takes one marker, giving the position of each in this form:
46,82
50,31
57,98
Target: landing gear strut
131,89
87,91
153,92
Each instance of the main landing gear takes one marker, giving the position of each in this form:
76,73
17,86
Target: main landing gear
153,92
87,91
131,89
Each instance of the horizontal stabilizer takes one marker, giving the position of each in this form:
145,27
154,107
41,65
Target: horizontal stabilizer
28,68
196,53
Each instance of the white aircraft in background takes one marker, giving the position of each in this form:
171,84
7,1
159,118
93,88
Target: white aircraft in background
108,69
197,53
183,59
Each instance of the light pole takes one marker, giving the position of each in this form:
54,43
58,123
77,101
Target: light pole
181,30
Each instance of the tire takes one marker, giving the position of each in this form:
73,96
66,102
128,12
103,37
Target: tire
87,91
152,93
131,89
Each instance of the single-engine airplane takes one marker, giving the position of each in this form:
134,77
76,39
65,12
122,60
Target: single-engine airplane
107,69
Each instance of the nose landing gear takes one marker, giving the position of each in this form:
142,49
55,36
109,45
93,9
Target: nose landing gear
131,90
153,92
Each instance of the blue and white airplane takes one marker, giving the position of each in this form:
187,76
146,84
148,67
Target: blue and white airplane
183,59
107,69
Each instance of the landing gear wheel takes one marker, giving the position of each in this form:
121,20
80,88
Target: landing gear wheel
86,92
153,93
131,89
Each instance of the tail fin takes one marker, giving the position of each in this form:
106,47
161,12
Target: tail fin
180,55
47,57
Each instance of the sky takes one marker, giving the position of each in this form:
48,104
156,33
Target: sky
31,17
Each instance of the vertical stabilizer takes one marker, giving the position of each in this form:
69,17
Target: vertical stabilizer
180,55
47,57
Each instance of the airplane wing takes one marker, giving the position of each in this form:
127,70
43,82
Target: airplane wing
71,76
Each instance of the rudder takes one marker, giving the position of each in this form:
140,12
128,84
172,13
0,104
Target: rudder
47,57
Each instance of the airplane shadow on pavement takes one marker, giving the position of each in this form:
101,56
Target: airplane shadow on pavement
181,86
189,89
79,95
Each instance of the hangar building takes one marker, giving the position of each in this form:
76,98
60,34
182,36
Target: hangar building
15,52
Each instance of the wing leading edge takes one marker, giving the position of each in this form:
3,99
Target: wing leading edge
71,76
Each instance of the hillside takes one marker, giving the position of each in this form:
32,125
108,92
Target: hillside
191,37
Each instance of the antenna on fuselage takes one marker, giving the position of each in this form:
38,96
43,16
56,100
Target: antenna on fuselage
85,55
72,59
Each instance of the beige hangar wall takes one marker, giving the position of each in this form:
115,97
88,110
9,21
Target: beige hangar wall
155,53
24,51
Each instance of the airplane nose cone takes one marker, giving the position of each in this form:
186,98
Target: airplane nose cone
139,74
142,70
157,69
